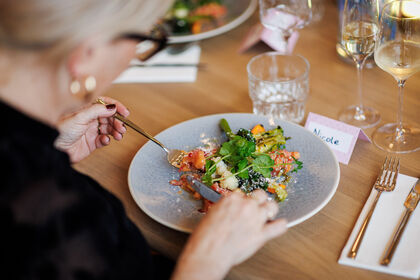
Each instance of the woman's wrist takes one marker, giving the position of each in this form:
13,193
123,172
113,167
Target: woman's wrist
195,262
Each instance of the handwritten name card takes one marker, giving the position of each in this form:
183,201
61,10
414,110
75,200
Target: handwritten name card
340,136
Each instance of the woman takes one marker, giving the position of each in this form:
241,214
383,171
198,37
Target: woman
56,58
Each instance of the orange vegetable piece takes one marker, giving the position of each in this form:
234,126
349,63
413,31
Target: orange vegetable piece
257,129
196,27
199,159
271,190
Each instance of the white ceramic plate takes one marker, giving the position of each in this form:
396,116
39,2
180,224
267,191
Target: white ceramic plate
237,12
150,173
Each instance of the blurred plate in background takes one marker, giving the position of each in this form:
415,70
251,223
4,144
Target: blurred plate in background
237,12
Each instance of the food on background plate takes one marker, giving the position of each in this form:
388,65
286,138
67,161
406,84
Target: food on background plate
194,16
248,160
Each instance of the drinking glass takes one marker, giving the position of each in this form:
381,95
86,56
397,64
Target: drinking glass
397,52
285,16
358,34
279,85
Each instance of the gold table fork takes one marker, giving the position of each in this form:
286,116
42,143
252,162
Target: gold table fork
174,156
385,181
410,204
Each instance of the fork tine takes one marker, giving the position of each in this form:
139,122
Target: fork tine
390,168
386,171
395,171
382,173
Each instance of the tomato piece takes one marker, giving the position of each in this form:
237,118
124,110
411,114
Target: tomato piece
175,183
219,189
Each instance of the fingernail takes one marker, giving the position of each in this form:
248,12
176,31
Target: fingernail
110,106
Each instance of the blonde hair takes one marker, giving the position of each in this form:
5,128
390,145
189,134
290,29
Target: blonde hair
59,25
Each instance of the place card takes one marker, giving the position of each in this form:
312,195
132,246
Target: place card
341,137
274,39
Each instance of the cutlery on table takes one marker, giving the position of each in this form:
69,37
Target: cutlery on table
203,189
174,156
410,204
385,181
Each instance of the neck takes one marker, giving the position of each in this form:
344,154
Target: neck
32,88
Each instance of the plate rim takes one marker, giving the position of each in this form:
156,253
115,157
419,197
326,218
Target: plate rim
217,31
188,230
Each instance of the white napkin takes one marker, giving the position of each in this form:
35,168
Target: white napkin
164,74
382,226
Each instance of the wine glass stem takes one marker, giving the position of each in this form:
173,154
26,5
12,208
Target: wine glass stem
399,135
360,114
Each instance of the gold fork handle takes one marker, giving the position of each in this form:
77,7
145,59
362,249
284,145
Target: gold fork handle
356,244
396,239
139,130
129,123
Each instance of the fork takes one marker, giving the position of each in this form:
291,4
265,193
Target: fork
385,181
174,156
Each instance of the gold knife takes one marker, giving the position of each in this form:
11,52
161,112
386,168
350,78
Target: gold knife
410,204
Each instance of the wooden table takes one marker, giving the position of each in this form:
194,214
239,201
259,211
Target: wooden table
309,250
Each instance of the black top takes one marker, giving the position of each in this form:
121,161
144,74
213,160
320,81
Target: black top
56,223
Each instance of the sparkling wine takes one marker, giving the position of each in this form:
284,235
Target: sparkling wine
401,59
359,39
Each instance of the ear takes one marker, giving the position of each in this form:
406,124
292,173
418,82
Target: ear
82,60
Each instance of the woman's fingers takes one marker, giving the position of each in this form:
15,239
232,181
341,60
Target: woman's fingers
259,195
104,129
94,112
120,107
118,125
102,140
107,129
270,209
102,120
111,122
274,228
117,136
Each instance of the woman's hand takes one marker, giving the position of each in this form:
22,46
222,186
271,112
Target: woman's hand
84,131
233,230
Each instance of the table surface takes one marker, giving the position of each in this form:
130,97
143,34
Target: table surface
311,249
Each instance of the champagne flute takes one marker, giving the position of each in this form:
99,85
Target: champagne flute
358,34
397,51
285,16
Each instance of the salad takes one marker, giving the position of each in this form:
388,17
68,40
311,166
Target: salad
248,160
194,16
